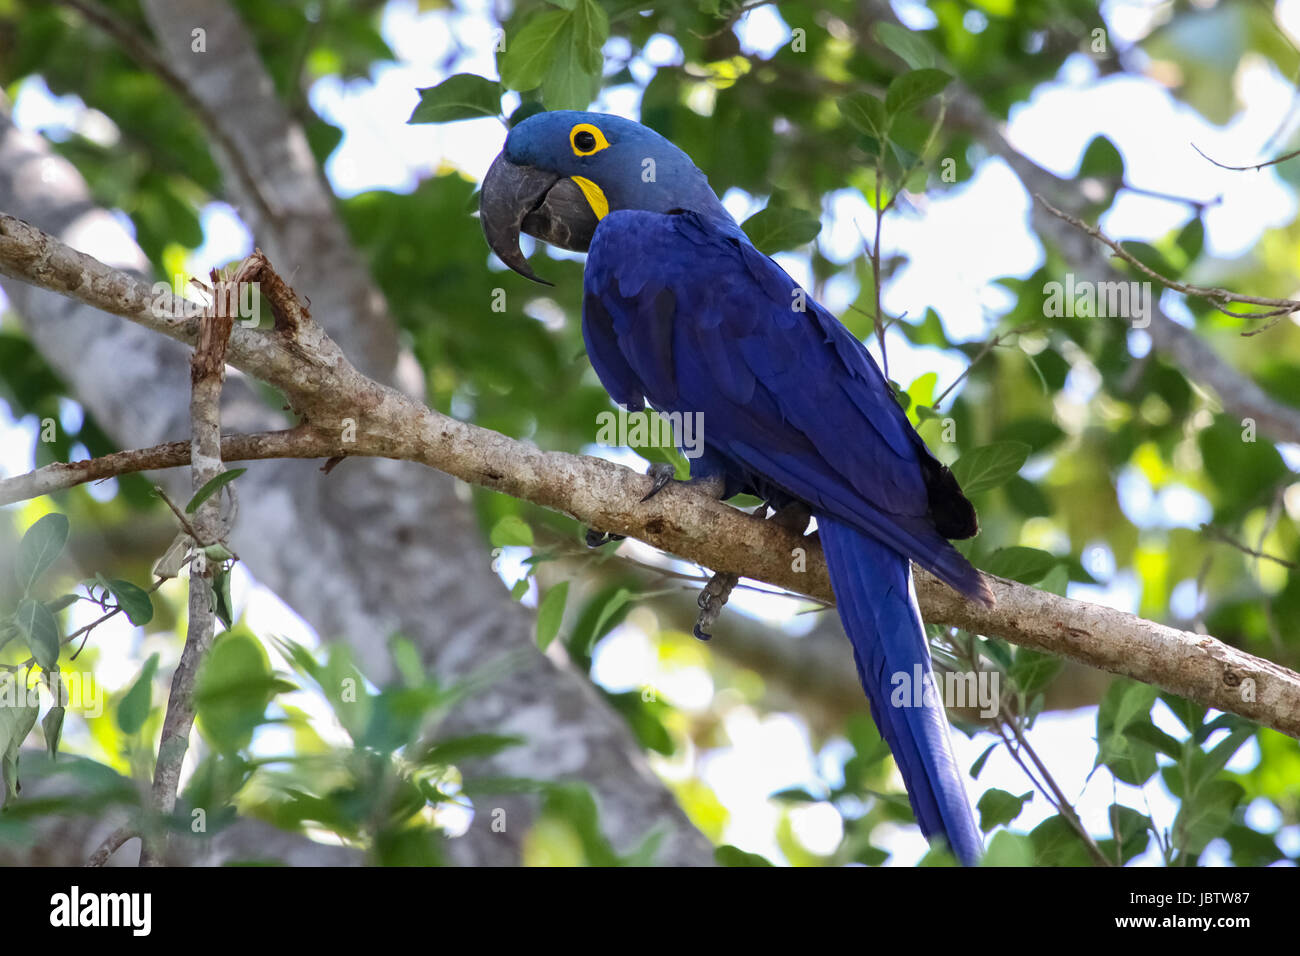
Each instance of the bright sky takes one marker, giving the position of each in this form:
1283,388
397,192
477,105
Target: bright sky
956,244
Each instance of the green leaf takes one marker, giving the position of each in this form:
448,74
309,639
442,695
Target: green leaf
1056,581
133,710
529,55
1034,670
39,548
526,109
519,589
1056,843
921,391
1132,832
1148,733
590,31
1216,759
1009,849
550,613
511,531
616,602
135,601
1207,815
1026,565
61,602
795,795
52,728
406,657
728,855
217,553
17,718
981,760
346,690
909,46
211,487
469,747
460,97
1101,160
1132,700
41,631
998,808
866,113
567,85
222,603
913,89
778,228
1129,759
1149,256
1191,239
989,466
646,718
574,804
233,688
1029,499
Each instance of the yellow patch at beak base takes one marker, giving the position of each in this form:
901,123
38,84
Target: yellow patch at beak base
595,196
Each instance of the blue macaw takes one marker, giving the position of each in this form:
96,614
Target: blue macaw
681,311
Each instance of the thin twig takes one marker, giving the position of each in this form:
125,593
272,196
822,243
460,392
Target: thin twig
207,374
1200,205
1245,169
989,346
1218,534
112,843
1277,307
300,442
1064,806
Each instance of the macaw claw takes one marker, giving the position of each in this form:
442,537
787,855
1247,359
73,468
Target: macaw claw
711,601
661,474
597,538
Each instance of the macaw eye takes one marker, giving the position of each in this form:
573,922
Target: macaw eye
587,139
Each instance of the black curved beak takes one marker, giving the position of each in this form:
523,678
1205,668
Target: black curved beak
543,204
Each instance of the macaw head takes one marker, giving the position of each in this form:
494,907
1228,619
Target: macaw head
561,172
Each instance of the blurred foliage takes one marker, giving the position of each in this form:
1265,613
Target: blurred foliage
1044,426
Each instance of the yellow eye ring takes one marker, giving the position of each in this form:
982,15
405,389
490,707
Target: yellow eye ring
585,145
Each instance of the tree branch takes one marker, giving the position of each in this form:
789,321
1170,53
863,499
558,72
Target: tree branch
207,374
300,442
363,417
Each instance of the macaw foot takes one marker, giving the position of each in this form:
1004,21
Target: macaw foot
711,601
597,538
661,476
716,593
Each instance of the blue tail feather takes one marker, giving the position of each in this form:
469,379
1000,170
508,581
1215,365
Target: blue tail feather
873,591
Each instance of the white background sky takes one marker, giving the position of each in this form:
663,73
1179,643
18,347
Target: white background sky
955,243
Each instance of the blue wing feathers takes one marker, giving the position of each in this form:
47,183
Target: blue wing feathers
688,314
